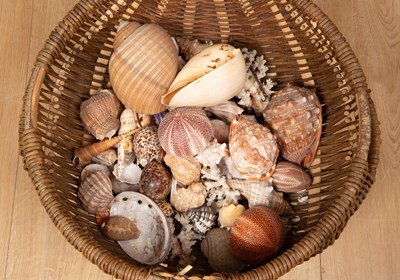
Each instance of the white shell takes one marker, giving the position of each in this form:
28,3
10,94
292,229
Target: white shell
228,215
130,173
212,154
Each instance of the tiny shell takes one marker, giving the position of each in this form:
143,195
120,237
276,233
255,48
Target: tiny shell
166,208
147,146
203,218
184,199
220,130
185,170
127,120
155,181
185,131
228,215
225,111
120,228
289,177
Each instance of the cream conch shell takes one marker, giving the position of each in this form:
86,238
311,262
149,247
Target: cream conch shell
211,77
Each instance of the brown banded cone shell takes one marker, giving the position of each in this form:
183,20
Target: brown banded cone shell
194,196
294,115
185,131
142,68
99,114
120,228
257,235
95,192
146,145
215,247
185,170
155,181
289,177
253,148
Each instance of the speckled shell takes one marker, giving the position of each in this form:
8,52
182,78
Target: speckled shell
185,170
99,114
146,145
166,208
289,177
295,117
184,199
257,235
253,148
95,192
185,131
202,218
142,67
215,247
120,228
155,181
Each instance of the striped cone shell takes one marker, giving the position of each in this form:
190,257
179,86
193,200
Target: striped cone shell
289,177
185,131
203,218
257,235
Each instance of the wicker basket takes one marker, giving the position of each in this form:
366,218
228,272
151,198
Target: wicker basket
302,46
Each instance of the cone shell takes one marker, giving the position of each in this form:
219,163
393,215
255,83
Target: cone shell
99,114
184,199
203,218
95,192
218,69
155,181
289,177
185,170
142,67
253,148
257,235
146,145
295,117
185,131
215,247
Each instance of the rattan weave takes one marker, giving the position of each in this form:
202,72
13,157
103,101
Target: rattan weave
302,47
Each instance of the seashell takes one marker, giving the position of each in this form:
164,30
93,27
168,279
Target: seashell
95,192
228,215
186,170
289,177
212,154
127,120
253,148
155,181
144,120
184,199
257,235
108,157
219,68
190,48
185,131
120,228
142,67
261,194
84,154
216,248
154,241
124,30
91,168
295,117
166,208
130,174
125,155
119,187
225,111
99,114
202,218
147,146
220,130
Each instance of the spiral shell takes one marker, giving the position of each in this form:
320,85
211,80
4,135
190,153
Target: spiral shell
184,199
253,148
99,114
143,66
190,48
155,181
289,177
295,117
185,170
146,145
203,218
185,131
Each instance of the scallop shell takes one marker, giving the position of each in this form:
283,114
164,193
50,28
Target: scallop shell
154,241
185,131
295,117
216,248
289,177
261,194
146,145
99,114
108,157
220,68
228,214
155,181
120,228
202,218
95,192
225,111
186,170
142,67
253,148
220,130
184,199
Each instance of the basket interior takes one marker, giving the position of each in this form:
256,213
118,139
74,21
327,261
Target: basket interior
296,50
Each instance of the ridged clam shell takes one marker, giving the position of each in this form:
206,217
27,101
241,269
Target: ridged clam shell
143,67
261,194
184,199
202,218
155,181
228,214
185,170
146,145
220,68
95,192
215,247
290,177
91,168
120,228
225,111
185,131
99,114
253,148
295,117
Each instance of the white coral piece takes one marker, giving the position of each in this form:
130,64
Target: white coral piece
212,154
187,236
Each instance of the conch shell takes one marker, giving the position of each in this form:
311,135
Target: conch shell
143,66
213,76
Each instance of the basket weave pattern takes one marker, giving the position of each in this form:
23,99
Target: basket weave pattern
302,47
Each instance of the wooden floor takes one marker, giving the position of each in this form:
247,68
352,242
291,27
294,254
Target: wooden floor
32,248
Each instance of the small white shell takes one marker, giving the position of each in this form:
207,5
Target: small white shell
130,174
212,154
228,215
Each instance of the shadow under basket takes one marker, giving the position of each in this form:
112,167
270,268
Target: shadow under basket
302,47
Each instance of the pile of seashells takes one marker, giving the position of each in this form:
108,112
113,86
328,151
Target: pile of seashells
179,162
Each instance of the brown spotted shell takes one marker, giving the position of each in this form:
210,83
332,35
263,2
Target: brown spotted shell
147,146
185,131
185,170
253,148
95,192
155,181
294,116
99,114
184,199
290,177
